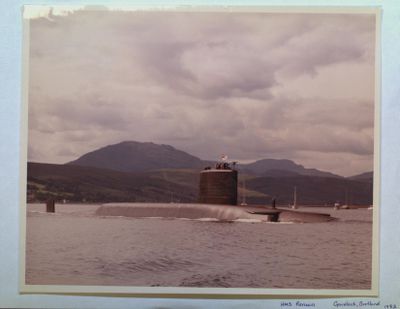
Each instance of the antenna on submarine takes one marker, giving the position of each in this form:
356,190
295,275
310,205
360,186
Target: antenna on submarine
243,203
295,198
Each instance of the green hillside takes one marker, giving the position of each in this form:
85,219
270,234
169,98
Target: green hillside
314,190
88,184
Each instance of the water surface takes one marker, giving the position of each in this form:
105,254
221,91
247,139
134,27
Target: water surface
76,247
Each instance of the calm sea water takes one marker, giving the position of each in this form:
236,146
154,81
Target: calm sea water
76,247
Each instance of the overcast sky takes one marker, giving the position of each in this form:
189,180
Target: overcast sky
249,85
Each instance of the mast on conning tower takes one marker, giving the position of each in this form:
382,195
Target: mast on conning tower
295,198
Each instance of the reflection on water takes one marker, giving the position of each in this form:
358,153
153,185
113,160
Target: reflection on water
74,246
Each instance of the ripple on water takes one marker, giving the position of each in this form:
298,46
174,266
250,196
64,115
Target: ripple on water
68,249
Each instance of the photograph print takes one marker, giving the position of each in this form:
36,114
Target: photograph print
232,149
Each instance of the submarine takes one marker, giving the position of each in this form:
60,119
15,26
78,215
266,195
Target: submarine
217,201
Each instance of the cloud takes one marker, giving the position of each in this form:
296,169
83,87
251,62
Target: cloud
252,85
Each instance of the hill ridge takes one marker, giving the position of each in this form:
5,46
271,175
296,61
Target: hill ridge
76,183
134,156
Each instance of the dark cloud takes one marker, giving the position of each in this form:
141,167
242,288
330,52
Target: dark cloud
252,85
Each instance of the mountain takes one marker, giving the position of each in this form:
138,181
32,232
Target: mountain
261,167
133,156
368,177
88,184
147,172
279,173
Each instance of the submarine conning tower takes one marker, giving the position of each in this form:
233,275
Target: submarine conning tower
218,185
